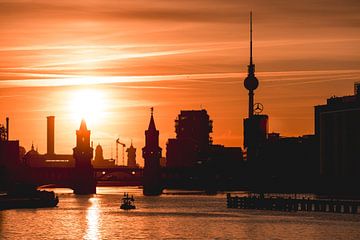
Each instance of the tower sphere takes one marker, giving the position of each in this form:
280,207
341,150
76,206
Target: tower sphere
251,83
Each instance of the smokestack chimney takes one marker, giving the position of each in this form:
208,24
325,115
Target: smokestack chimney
7,128
50,135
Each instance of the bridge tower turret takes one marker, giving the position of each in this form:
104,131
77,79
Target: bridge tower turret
152,154
84,179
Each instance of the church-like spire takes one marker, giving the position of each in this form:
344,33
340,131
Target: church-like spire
152,126
83,125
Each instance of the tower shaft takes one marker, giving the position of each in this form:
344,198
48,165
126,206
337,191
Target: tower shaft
251,103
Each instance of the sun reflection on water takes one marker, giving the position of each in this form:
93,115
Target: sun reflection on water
92,219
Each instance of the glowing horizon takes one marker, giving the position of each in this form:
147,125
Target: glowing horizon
132,56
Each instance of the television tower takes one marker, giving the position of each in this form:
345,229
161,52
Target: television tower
251,82
255,125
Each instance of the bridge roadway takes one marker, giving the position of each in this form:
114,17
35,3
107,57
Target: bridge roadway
66,176
124,169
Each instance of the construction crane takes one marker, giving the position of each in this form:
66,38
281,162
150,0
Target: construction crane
117,151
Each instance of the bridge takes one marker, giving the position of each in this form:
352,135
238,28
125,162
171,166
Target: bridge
66,176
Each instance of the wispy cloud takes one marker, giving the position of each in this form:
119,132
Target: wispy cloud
272,79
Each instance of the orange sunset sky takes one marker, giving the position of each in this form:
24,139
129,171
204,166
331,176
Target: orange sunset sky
110,61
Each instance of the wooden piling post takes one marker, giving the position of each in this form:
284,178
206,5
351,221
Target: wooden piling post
346,208
354,208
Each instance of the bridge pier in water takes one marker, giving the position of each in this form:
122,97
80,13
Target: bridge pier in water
84,181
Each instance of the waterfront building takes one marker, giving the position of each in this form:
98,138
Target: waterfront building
288,163
9,156
152,153
337,127
192,142
192,161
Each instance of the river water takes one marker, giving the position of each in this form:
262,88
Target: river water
174,215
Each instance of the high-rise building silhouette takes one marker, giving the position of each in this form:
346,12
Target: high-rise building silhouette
195,125
337,128
192,143
131,156
192,161
152,154
84,181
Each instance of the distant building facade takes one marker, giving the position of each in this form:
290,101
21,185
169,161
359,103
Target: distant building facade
131,156
50,159
192,143
337,127
99,161
289,160
226,155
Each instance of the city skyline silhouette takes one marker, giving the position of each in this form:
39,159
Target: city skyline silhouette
135,119
185,61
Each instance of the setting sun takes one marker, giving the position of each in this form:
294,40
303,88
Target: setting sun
88,104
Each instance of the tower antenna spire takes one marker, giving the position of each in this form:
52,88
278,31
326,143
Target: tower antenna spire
251,57
251,82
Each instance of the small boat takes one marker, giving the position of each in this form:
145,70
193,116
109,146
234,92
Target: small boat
27,197
127,202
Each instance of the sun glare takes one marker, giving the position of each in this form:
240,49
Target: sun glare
88,104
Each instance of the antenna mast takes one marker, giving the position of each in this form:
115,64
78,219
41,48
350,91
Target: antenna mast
251,60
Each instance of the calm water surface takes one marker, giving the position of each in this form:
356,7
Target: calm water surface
174,215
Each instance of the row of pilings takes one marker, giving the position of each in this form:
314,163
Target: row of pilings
292,204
